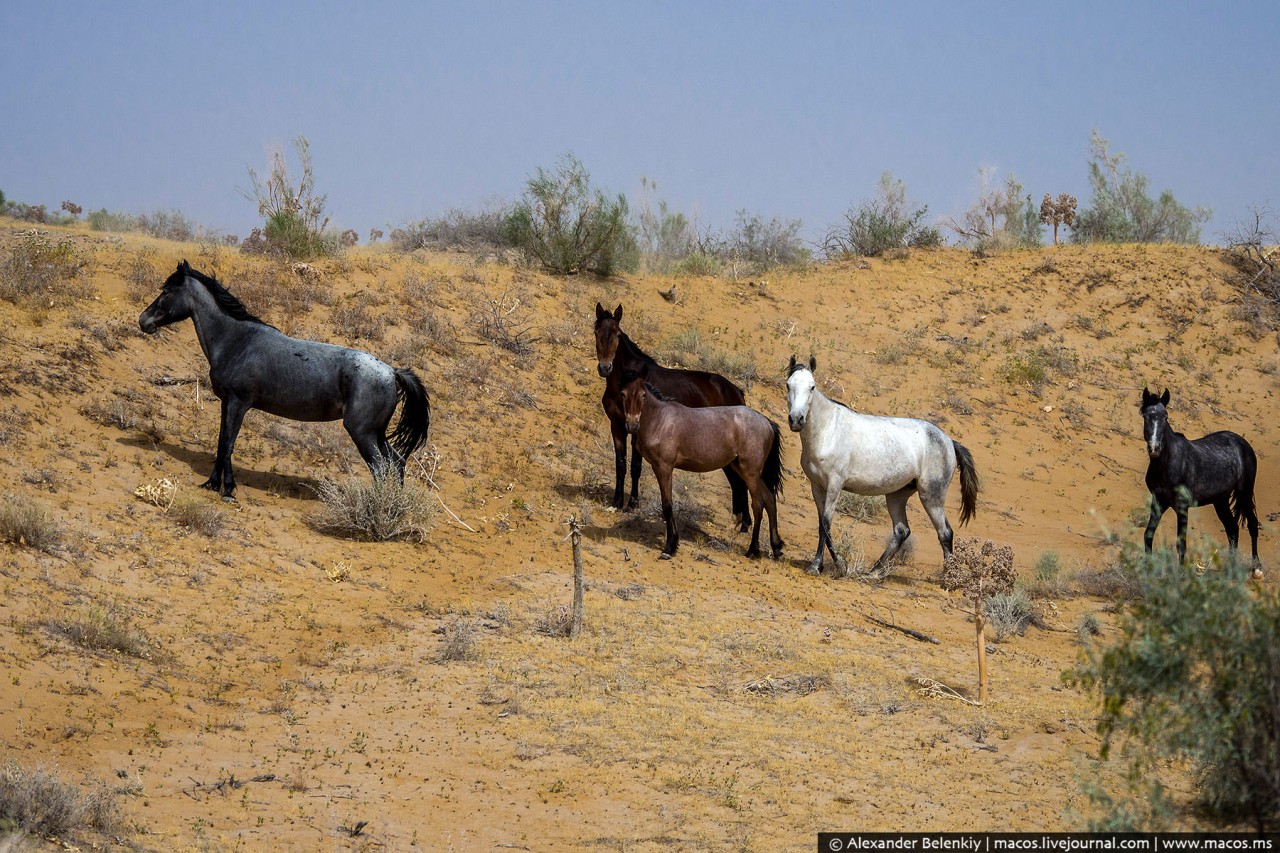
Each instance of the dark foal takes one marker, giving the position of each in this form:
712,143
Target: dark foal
671,435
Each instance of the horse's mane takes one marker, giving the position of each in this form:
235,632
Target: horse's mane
633,350
656,394
227,301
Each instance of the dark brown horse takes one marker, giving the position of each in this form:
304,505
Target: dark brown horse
671,435
616,353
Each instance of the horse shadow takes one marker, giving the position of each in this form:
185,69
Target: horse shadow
200,462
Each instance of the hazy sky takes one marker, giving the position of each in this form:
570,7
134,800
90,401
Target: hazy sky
783,109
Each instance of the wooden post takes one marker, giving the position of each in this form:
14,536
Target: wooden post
575,534
981,622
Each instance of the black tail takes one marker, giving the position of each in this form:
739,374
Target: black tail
1242,504
968,483
415,417
772,473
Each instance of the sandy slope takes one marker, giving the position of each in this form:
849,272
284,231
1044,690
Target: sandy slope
312,663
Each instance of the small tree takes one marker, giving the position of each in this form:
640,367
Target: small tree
72,208
880,224
375,234
979,569
1123,210
293,214
1002,217
567,226
1194,675
1060,212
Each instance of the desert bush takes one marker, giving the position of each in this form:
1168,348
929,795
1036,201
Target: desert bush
293,213
354,318
1123,210
1195,676
1010,614
689,348
1002,218
459,642
42,272
29,523
198,513
505,322
665,237
105,629
1251,250
112,221
483,230
862,508
880,224
377,509
756,244
568,227
38,802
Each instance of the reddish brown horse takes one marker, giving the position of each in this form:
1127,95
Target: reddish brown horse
616,353
671,435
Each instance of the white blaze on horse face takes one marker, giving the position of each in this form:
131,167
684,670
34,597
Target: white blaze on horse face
800,388
1155,440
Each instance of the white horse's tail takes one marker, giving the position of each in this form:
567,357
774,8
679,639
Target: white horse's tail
968,483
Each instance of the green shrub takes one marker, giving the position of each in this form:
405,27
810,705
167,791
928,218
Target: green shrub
1123,210
113,221
568,227
293,214
881,224
1194,676
473,231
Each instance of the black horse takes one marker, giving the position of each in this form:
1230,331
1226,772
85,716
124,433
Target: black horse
617,353
1218,469
253,365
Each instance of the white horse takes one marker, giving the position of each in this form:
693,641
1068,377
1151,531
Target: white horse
843,450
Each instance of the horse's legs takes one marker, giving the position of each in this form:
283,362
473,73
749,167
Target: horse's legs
897,504
1229,523
374,448
756,486
663,475
619,432
771,506
635,475
233,412
937,511
825,498
739,489
1181,509
1251,520
1157,510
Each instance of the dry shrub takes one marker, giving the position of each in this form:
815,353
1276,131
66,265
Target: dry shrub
199,514
505,322
555,621
29,523
864,508
43,273
377,509
104,629
354,319
279,289
459,642
1010,614
38,802
979,568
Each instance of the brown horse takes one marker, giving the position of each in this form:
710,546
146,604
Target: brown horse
615,354
671,435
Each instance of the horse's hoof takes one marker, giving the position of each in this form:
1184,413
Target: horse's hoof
664,556
753,553
777,554
211,485
229,499
814,569
632,504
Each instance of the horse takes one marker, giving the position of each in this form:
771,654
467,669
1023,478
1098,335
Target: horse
671,435
615,354
253,365
844,450
1218,469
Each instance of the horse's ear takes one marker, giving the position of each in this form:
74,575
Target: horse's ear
813,364
600,312
184,267
1164,398
792,366
617,313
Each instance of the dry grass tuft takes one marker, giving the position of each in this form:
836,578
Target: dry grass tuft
104,629
38,802
199,514
459,642
28,523
41,273
377,509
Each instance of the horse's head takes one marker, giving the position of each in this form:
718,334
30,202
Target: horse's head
1155,420
173,303
633,396
800,388
608,334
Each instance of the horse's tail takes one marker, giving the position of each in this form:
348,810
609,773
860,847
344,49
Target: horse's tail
968,483
415,417
1242,503
772,472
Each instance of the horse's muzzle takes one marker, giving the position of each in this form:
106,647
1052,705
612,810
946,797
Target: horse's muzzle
796,424
604,368
632,427
147,324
